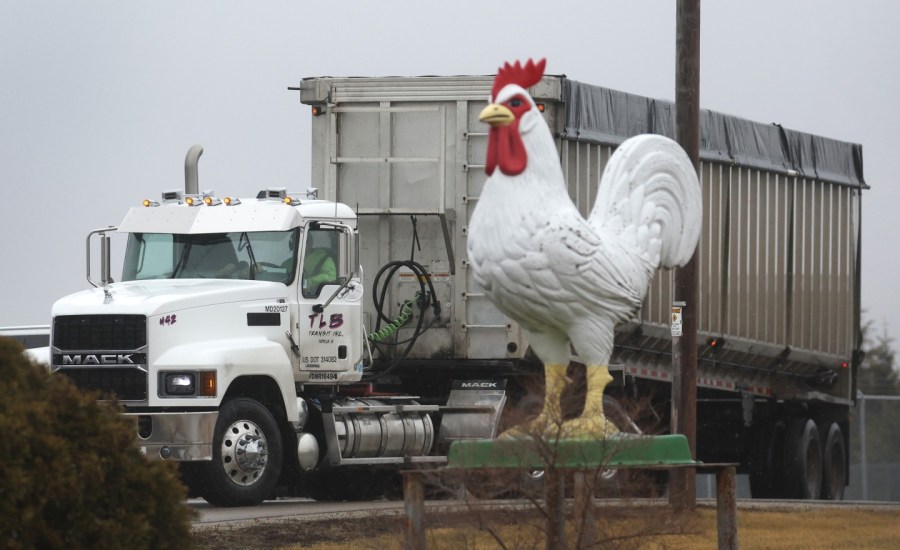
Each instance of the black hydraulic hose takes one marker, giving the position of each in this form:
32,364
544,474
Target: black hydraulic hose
379,296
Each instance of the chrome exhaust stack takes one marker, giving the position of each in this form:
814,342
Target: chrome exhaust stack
191,179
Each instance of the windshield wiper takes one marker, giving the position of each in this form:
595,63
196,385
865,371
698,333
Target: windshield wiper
181,261
244,242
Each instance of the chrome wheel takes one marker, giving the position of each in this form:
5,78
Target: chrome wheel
245,452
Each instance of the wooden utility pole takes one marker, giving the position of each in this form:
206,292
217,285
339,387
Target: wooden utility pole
682,483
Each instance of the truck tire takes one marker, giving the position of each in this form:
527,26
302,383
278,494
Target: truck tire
247,456
766,463
803,459
834,464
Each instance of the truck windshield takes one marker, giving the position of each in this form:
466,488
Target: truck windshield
260,255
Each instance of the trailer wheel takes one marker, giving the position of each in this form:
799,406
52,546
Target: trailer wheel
247,456
766,474
803,460
834,464
613,483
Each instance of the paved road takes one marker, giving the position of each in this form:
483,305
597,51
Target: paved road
295,508
307,509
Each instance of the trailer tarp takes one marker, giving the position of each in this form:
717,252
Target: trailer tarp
608,117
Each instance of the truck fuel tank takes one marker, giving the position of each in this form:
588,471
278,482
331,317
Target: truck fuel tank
377,430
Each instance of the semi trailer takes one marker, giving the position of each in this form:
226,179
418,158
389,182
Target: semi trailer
329,337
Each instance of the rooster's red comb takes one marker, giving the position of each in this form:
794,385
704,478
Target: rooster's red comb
525,76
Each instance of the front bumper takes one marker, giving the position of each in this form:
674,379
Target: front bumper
179,436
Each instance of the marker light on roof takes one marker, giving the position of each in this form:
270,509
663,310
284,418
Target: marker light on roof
211,201
148,202
230,201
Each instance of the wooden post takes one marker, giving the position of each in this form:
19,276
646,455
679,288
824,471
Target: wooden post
682,483
726,508
414,510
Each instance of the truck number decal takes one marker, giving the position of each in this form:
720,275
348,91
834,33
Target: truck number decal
167,320
323,376
276,309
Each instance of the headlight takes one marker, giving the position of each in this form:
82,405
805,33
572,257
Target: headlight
188,384
180,384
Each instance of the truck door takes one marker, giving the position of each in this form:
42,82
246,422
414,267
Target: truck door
330,306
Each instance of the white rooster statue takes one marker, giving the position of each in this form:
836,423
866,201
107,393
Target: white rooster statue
566,279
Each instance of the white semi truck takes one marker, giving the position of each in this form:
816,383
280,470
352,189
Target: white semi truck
328,338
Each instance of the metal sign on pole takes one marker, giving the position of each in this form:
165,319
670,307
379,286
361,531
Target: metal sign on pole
678,319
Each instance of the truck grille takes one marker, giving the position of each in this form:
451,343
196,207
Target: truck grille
126,384
100,332
92,351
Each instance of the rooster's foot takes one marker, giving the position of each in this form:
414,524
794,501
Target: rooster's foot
541,426
595,426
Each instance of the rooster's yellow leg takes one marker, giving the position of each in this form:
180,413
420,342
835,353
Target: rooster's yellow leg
592,422
550,418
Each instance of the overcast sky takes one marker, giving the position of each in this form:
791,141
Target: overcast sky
101,100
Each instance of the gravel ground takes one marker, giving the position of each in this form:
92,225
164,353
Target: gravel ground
279,532
282,532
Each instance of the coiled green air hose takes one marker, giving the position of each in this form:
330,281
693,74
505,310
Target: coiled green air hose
394,326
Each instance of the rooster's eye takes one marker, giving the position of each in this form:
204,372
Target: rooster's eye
515,102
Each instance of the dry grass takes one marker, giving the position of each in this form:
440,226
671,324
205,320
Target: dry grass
820,529
656,529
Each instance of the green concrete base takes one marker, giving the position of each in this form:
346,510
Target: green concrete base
619,450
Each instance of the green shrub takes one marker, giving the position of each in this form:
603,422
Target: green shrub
70,474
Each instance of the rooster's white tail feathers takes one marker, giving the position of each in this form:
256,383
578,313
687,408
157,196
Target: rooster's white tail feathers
649,196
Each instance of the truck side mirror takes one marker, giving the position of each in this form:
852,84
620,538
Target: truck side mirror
105,275
353,252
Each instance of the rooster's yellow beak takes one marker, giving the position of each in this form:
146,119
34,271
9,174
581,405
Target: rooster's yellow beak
496,115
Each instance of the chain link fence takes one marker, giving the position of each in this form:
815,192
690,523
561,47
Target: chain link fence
875,449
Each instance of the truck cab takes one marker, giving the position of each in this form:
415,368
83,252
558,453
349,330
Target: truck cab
221,301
